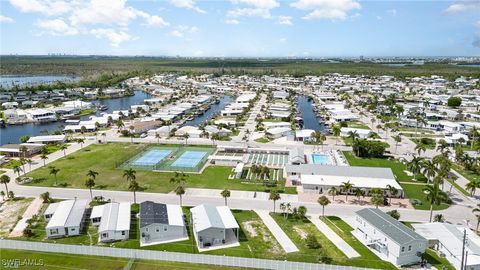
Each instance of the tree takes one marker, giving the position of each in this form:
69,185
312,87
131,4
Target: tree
311,241
376,199
24,138
2,193
454,102
333,192
438,218
186,136
45,197
397,139
346,187
158,137
17,169
429,169
54,171
81,141
180,190
394,214
44,157
64,147
392,192
302,212
225,194
90,183
5,179
420,148
472,186
129,174
323,201
336,132
434,196
415,166
134,187
274,196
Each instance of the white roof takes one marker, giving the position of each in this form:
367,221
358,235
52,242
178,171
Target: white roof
358,182
51,209
97,211
49,138
304,133
278,130
207,216
360,131
115,217
175,215
68,214
239,167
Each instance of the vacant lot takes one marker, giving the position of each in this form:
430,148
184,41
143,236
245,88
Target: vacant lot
11,212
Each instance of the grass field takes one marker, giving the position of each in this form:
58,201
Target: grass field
345,232
104,158
357,124
412,189
61,261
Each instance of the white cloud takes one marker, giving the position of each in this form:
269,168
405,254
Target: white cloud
392,12
232,21
57,27
182,30
5,19
463,6
326,9
285,20
255,8
115,37
46,7
189,4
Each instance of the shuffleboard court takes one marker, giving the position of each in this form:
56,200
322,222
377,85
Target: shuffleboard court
189,159
151,157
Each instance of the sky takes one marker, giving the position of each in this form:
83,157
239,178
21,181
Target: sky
241,28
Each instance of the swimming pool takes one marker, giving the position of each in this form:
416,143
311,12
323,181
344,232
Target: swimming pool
189,159
151,157
321,159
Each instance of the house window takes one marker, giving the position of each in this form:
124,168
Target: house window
409,248
165,228
403,249
157,229
123,232
72,229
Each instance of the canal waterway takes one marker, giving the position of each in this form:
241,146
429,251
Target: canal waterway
211,112
310,118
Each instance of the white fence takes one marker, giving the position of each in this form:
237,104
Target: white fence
169,256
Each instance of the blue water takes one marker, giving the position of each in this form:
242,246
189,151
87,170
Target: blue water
310,119
320,159
9,81
210,113
12,133
189,159
152,157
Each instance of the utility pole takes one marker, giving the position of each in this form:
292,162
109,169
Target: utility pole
463,249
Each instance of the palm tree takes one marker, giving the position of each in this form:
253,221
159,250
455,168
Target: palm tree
476,210
134,187
442,145
129,174
81,141
353,135
274,196
474,133
64,147
158,137
345,187
45,197
434,196
90,183
323,201
5,179
376,199
44,157
472,186
397,139
23,150
392,192
180,190
225,194
429,169
23,161
333,192
54,171
17,169
30,162
336,132
420,148
186,136
359,193
415,166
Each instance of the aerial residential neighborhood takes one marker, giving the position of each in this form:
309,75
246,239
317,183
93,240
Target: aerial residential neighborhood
246,134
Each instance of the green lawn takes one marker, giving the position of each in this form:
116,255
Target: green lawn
419,130
86,112
412,189
104,158
344,230
262,140
467,174
437,261
297,229
428,145
356,124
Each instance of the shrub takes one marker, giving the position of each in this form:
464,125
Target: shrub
395,214
369,149
312,241
454,102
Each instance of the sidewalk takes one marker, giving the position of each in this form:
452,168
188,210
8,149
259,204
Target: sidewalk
277,232
333,237
238,194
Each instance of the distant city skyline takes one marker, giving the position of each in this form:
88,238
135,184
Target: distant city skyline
241,28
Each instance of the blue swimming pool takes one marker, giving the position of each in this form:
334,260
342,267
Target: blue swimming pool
189,159
151,157
321,159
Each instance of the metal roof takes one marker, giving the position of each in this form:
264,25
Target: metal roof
391,227
208,216
115,217
347,171
68,214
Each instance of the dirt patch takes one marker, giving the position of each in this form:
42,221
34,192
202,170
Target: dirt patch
300,232
9,213
249,227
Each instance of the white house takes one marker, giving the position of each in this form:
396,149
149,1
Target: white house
67,219
214,227
115,222
447,240
161,223
362,133
388,238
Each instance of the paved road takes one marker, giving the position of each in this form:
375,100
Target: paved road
278,233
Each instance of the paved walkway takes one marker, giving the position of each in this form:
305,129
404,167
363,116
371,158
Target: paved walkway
333,237
237,194
277,232
32,209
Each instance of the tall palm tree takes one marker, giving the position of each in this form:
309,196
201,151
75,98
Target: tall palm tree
134,187
393,191
336,132
180,191
90,183
186,136
333,192
17,169
81,141
420,148
323,201
158,137
429,169
44,157
397,139
434,196
359,193
129,174
5,179
225,194
274,196
346,187
64,147
415,166
472,186
474,133
54,171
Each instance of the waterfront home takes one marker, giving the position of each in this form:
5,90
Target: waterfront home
362,133
388,238
214,227
67,219
161,223
277,132
47,139
280,94
143,126
10,105
304,135
78,128
114,223
41,115
15,116
77,104
456,138
222,132
226,122
163,131
269,125
13,150
447,240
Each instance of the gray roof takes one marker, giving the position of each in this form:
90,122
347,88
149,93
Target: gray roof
151,213
347,171
391,227
296,154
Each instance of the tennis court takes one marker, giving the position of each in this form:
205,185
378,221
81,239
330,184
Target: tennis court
151,157
189,159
